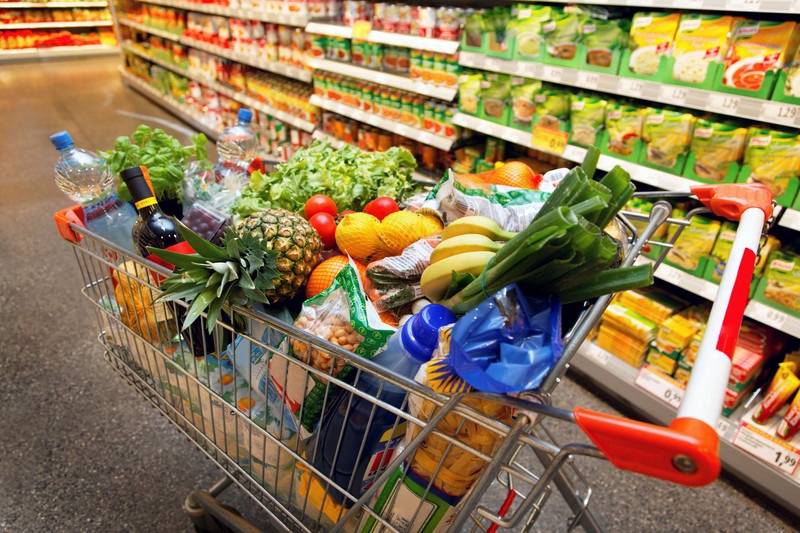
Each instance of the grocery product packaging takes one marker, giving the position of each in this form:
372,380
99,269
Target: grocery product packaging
469,92
525,27
774,159
653,303
602,38
495,92
758,47
562,34
667,135
523,105
716,147
652,35
623,125
784,384
552,108
700,41
781,281
134,293
792,69
694,243
587,116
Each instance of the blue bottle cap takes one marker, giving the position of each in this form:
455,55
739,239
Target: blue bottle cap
245,115
61,140
421,333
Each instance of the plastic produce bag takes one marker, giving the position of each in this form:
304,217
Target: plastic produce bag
508,343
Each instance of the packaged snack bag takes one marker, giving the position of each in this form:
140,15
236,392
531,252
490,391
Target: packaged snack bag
652,35
758,47
587,115
623,122
715,146
773,157
523,93
700,40
667,134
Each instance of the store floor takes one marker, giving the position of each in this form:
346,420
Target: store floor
79,449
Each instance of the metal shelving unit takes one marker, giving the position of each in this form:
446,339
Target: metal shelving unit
394,39
288,19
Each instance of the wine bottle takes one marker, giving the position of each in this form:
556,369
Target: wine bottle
156,229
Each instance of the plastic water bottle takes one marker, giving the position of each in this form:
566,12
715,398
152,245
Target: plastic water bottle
355,425
239,142
85,178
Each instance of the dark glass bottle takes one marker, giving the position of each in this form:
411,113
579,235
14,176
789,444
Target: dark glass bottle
156,229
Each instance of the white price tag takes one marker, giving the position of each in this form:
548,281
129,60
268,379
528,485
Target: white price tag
491,64
688,4
722,103
670,274
752,5
661,386
552,73
597,354
773,317
588,80
767,448
528,69
674,94
631,87
779,112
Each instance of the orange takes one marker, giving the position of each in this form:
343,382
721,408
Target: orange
323,275
514,174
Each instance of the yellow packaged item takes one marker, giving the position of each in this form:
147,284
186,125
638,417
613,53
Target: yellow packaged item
652,303
675,334
625,347
632,323
694,243
699,41
716,146
624,126
782,275
667,135
661,360
652,35
134,293
757,48
773,157
792,69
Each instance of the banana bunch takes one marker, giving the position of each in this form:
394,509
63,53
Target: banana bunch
468,244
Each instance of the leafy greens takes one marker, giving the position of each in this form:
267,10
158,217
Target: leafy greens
350,176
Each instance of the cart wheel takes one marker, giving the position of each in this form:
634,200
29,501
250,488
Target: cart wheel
206,523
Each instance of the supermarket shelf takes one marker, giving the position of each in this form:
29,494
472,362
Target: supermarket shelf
272,66
227,91
383,37
425,137
182,111
642,174
56,5
288,19
772,317
336,143
57,25
383,78
618,379
57,52
715,102
790,219
755,6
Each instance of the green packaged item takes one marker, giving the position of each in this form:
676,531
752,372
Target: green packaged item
667,135
473,30
623,125
495,23
526,28
552,108
587,115
469,92
495,91
782,280
602,38
715,147
523,107
562,33
694,243
773,157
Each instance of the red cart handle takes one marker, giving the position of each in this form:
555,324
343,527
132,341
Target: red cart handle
687,451
65,217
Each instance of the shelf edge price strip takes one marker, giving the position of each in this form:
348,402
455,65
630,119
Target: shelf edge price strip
663,387
767,448
553,141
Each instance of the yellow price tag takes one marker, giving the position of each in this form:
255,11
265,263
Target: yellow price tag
553,141
361,28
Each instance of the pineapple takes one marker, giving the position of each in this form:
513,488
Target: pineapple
298,245
267,258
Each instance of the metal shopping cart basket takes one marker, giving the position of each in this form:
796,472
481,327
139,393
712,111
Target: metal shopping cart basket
213,402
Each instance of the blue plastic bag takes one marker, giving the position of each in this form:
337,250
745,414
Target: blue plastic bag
508,343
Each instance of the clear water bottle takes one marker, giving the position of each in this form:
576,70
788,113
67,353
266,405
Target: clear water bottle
356,438
85,178
239,142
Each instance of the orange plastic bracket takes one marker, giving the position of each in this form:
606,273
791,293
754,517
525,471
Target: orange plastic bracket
686,452
732,199
65,217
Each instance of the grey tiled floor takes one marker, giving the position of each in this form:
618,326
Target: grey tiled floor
80,450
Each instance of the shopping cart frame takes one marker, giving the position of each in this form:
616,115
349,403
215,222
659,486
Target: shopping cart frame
685,452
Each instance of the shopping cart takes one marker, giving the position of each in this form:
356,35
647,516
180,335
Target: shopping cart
212,401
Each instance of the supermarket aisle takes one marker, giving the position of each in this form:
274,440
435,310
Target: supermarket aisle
79,450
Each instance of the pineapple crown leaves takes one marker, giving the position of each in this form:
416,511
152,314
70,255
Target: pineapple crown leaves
236,273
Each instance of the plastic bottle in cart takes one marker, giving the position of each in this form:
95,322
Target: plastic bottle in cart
86,179
239,142
356,435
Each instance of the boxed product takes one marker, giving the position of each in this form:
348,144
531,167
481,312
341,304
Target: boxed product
628,348
653,303
675,334
747,364
733,399
632,323
666,362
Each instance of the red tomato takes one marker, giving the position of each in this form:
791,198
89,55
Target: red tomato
325,225
381,207
319,203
